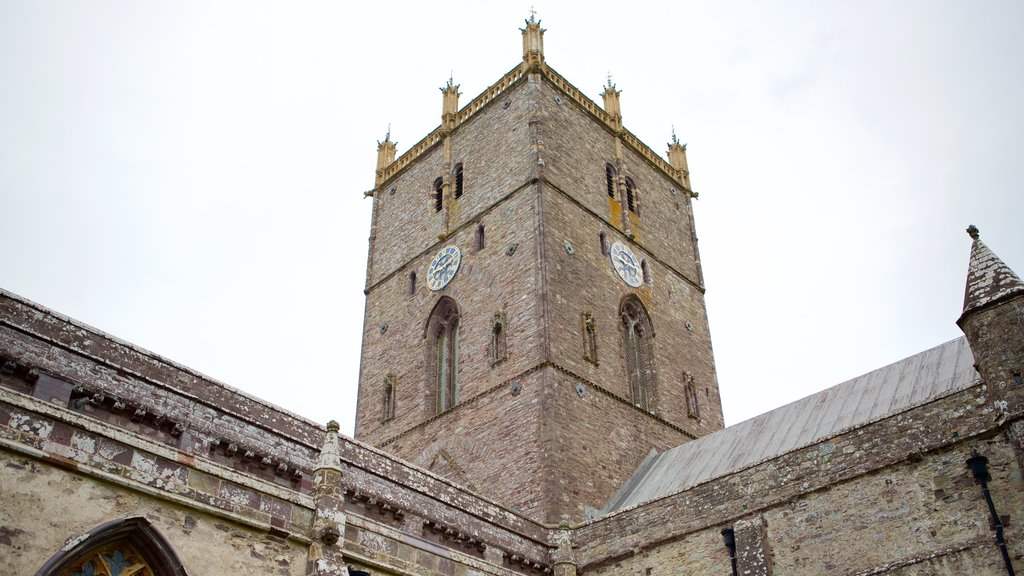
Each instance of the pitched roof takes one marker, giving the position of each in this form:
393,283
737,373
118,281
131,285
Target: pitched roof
873,396
988,278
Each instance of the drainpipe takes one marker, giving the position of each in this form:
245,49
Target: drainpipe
979,468
729,536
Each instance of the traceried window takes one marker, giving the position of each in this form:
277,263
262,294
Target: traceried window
457,172
124,547
610,177
437,194
390,393
443,353
632,200
637,335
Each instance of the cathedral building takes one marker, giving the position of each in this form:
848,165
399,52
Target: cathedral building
537,395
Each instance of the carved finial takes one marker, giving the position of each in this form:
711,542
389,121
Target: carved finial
333,426
387,137
533,15
610,85
973,231
674,139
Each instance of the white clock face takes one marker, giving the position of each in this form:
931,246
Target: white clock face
443,267
626,264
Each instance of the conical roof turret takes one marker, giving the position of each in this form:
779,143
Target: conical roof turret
989,279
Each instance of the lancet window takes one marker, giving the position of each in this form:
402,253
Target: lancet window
443,353
637,335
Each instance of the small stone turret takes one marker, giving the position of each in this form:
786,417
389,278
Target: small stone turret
993,321
533,44
385,155
677,159
449,104
611,103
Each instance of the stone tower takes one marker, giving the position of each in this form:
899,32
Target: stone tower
993,321
535,322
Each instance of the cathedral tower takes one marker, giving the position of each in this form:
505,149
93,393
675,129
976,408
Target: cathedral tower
535,320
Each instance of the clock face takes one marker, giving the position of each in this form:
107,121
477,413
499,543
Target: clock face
443,267
626,264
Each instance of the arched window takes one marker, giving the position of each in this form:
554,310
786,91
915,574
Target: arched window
125,546
637,335
645,269
604,243
480,240
443,353
438,194
412,283
631,196
388,406
499,333
458,180
610,177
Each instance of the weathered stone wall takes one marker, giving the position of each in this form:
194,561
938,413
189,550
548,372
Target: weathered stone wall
44,506
495,152
490,442
576,149
494,279
891,496
592,442
60,433
585,281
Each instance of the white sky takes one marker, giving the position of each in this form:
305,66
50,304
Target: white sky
189,176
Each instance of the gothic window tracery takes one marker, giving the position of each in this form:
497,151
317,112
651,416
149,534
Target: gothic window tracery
123,547
443,353
114,560
637,335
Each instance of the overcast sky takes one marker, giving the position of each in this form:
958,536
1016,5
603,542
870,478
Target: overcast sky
189,176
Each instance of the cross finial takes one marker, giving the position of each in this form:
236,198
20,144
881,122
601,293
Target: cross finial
674,139
973,232
610,85
388,135
533,15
